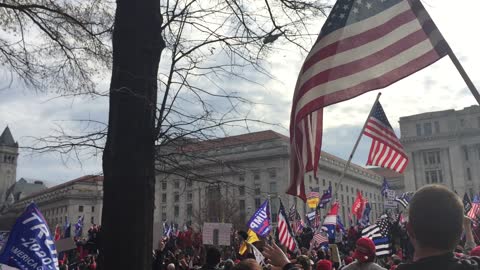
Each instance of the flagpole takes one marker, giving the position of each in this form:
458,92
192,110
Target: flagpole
464,74
355,146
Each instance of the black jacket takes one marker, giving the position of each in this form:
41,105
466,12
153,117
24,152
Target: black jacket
443,262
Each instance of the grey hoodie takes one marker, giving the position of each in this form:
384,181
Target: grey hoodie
443,262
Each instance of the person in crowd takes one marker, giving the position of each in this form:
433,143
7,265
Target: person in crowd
395,262
436,223
228,265
248,264
364,256
305,262
324,265
213,256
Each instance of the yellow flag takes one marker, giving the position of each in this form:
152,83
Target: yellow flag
252,238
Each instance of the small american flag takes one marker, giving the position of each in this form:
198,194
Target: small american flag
386,150
318,239
475,210
363,46
285,234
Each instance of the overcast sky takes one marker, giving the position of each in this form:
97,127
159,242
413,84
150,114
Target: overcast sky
438,87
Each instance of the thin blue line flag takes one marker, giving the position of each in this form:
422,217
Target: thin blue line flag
260,221
30,245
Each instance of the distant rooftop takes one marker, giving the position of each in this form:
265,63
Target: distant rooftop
253,137
7,139
86,179
427,115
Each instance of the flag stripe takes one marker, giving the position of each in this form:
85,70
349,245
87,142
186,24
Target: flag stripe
377,71
356,47
362,26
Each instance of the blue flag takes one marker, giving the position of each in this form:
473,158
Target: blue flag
385,187
326,197
67,228
365,220
340,225
30,244
79,227
260,221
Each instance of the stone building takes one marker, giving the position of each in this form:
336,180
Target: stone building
72,199
217,180
443,148
8,163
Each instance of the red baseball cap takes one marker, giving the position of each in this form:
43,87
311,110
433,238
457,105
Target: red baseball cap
365,250
324,265
475,251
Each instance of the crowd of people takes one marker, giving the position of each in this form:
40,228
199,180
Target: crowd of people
436,236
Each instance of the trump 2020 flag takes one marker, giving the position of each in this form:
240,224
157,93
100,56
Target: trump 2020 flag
363,46
30,244
260,221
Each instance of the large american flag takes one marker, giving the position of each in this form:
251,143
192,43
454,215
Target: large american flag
364,45
386,150
285,234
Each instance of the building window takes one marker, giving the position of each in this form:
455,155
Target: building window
93,209
256,175
189,196
241,204
272,172
189,183
433,177
323,182
257,203
317,182
469,174
164,213
427,128
273,187
80,208
241,190
176,197
176,211
164,185
310,179
177,184
241,177
189,210
341,188
431,158
257,189
419,130
437,126
164,197
92,220
465,151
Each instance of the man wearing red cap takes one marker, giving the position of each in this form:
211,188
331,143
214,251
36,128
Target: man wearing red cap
364,255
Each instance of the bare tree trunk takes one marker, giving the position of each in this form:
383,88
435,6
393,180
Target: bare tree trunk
128,159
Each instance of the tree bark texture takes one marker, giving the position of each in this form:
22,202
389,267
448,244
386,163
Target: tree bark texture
128,158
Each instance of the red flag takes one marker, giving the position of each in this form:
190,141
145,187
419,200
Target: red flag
358,206
58,233
361,47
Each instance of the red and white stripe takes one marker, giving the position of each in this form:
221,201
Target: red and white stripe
360,57
284,233
317,240
386,150
474,212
